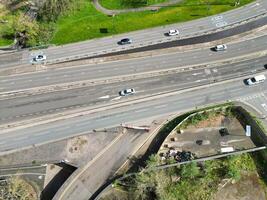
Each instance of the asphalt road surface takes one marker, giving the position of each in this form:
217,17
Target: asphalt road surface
26,107
125,67
143,37
130,113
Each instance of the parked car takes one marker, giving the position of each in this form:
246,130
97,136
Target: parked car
125,41
127,92
173,32
39,58
255,80
220,47
223,132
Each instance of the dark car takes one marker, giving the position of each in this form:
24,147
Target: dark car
125,41
223,132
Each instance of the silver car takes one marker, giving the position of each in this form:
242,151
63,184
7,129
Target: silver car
39,58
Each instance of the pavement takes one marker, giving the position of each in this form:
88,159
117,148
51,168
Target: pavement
90,177
106,11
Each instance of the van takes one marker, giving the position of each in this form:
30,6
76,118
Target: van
255,80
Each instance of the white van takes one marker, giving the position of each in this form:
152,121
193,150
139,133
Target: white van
255,80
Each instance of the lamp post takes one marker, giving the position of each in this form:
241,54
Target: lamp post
113,16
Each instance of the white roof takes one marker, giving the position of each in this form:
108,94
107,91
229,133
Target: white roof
260,77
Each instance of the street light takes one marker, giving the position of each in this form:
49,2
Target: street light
113,16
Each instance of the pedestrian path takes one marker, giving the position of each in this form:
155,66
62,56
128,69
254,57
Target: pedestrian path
100,8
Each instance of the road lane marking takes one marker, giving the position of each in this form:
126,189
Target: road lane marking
264,106
104,97
197,73
116,98
254,5
142,110
161,106
200,80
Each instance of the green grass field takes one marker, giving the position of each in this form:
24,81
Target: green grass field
119,4
5,42
86,22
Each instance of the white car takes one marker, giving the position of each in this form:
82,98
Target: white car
126,92
220,47
173,32
256,79
39,58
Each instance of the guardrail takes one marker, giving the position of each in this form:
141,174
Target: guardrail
170,42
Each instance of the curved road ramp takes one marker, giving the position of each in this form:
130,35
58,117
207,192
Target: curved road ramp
198,136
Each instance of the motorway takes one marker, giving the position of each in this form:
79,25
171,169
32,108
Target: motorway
128,113
26,107
126,67
165,83
141,38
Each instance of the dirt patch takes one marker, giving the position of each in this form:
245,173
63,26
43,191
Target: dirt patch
211,122
207,136
247,188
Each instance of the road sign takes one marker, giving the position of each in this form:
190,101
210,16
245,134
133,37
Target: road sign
248,130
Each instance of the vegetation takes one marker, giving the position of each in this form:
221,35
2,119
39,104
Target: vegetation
66,21
17,188
200,116
190,181
86,23
121,4
52,9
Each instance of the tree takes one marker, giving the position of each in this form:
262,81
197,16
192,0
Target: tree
26,30
52,9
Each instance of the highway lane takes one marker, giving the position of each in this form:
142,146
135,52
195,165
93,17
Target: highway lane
26,107
127,114
146,37
125,67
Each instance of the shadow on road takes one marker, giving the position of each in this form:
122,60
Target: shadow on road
54,185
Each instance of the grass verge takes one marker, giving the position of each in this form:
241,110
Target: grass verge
122,4
5,42
87,23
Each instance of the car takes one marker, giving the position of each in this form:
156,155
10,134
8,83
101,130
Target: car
127,92
220,47
255,80
223,132
39,58
125,41
173,32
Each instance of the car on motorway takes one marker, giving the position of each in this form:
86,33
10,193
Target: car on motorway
39,58
220,47
127,92
125,41
173,32
255,80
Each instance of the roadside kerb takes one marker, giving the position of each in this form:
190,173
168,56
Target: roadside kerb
78,57
70,114
143,146
116,79
26,69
